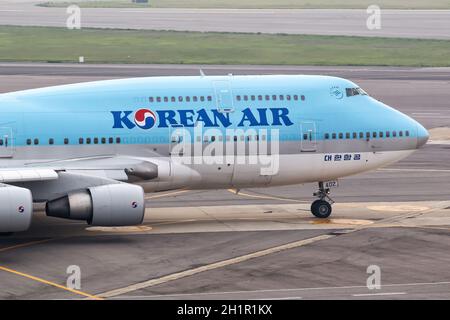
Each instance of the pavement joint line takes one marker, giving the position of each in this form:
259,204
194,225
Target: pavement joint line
212,266
166,194
264,197
399,218
50,283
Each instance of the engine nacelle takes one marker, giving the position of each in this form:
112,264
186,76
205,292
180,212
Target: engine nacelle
109,205
16,209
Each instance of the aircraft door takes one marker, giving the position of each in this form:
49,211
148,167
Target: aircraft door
6,142
223,95
308,136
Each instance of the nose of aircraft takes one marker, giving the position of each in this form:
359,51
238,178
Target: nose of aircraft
422,135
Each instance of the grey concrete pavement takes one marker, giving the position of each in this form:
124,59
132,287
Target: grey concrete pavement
227,246
431,24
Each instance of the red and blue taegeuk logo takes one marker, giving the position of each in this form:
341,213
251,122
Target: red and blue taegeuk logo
144,118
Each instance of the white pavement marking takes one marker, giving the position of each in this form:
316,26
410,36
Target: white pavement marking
216,265
247,292
414,169
378,294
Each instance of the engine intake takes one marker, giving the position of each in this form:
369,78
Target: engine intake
109,205
16,209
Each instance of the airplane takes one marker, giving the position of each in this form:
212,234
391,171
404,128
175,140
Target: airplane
91,150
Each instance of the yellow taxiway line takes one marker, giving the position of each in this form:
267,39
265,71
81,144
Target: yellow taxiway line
53,284
27,244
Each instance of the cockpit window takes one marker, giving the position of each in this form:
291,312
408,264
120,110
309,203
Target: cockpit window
355,92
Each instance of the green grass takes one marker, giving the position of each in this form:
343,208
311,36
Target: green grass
268,4
131,46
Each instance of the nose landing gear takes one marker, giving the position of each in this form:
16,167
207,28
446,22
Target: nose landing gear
321,208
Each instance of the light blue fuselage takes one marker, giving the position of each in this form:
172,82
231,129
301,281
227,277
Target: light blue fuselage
324,118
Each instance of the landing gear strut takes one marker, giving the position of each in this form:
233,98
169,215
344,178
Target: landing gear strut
321,208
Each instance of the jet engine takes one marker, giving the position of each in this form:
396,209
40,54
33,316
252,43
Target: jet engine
16,209
108,205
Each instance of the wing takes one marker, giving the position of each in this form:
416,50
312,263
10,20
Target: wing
49,180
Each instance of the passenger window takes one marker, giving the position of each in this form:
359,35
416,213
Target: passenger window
96,140
1,142
188,99
180,99
202,98
28,141
288,97
381,134
260,97
374,134
303,98
400,133
194,98
394,134
355,135
51,141
245,98
88,140
281,97
267,97
333,135
103,140
407,133
361,135
209,98
66,141
253,98
295,97
81,141
341,136
305,136
367,135
36,141
117,140
173,99
388,134
158,99
327,136
166,99
274,97
111,140
347,135
151,99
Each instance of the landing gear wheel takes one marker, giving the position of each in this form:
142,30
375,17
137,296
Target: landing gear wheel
321,209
